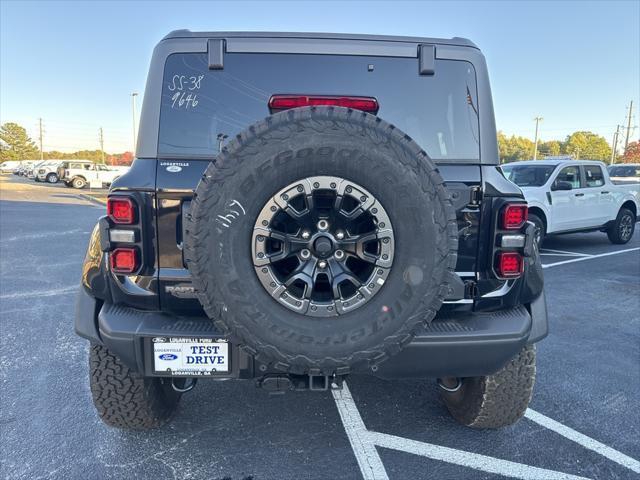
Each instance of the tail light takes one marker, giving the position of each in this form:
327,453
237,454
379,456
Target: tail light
285,102
509,264
124,260
121,210
514,216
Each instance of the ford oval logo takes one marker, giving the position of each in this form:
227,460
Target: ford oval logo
168,356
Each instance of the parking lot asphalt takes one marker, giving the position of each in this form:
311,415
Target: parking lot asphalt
588,382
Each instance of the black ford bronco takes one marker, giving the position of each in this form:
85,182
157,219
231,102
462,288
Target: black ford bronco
304,207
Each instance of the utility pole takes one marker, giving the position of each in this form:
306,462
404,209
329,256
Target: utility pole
102,144
626,138
133,110
41,152
614,144
535,147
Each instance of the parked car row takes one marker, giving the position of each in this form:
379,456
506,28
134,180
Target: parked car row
569,196
73,173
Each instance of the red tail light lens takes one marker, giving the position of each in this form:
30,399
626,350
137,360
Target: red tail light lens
514,216
509,264
124,260
121,210
285,102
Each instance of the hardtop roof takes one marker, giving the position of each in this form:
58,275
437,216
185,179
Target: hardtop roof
457,41
553,162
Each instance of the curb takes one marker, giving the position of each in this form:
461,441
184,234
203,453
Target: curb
90,198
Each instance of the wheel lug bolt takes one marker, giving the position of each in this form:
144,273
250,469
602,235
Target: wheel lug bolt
322,264
323,225
339,254
306,234
339,235
305,254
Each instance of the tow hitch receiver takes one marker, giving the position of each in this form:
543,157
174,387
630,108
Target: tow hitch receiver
278,384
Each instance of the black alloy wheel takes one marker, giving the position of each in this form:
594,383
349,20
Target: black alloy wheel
323,246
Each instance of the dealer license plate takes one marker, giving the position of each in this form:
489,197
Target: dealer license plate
190,356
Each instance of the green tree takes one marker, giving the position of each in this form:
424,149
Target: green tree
551,148
16,144
587,146
512,149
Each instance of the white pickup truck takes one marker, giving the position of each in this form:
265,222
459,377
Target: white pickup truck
79,174
567,196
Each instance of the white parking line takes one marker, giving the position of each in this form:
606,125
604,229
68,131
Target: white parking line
364,442
590,257
562,252
40,293
469,459
365,451
583,440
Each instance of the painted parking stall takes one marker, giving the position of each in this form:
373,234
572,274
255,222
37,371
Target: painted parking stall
581,423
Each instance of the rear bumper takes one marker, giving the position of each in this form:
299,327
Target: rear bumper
459,345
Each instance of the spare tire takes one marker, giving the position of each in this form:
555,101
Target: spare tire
321,239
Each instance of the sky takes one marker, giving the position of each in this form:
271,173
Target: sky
75,64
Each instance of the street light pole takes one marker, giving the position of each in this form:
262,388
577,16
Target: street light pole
133,110
535,147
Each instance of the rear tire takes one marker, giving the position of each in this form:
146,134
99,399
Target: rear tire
621,231
541,229
496,400
126,399
78,183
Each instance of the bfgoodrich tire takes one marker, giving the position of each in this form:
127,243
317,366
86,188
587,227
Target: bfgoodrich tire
296,147
125,399
496,400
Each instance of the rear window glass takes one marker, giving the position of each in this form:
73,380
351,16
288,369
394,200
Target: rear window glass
202,108
625,171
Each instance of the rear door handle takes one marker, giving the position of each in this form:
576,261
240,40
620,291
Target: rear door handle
604,193
579,194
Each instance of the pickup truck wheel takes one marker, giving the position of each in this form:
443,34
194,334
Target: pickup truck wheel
540,230
497,400
124,398
78,182
621,231
305,240
52,178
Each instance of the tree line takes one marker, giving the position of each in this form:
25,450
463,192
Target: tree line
581,145
15,144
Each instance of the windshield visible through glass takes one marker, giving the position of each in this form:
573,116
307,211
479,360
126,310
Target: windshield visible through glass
528,175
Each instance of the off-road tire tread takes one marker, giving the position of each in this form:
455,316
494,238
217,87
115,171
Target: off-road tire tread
124,398
207,198
496,400
613,231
